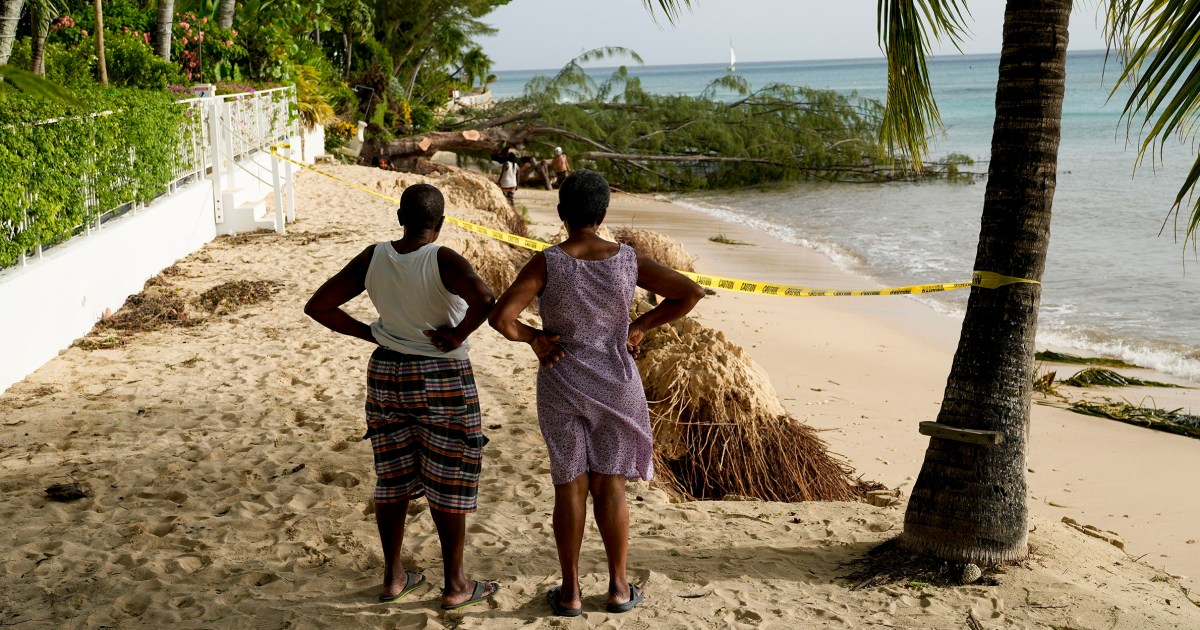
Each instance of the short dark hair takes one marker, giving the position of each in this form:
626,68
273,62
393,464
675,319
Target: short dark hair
583,198
421,206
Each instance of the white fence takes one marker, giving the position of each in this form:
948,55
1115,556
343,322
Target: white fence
223,181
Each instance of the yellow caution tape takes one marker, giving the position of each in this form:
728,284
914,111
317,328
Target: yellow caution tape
983,279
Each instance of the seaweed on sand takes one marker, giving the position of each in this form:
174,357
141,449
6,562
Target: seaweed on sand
1171,421
152,309
1062,357
1100,376
237,293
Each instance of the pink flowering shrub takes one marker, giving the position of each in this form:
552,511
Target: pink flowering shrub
203,50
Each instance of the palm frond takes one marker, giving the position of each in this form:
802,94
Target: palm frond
672,9
1158,42
907,29
732,82
29,83
573,83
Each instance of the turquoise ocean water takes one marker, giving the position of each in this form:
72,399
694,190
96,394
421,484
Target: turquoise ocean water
1113,284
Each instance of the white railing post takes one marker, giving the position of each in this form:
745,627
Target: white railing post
279,211
231,156
290,183
214,131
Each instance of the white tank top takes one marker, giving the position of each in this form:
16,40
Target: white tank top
408,293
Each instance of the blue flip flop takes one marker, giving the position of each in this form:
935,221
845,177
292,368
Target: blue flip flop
411,582
635,597
476,595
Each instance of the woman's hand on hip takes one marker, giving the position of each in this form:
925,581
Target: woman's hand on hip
546,347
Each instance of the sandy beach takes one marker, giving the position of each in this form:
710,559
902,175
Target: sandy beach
231,488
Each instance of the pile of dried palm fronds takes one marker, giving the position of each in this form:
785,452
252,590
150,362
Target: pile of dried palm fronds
154,308
162,305
237,293
660,247
1171,421
720,430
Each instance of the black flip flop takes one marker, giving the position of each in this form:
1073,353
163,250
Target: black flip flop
410,584
553,597
635,597
476,595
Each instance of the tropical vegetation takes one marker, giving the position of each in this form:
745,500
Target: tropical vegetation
111,142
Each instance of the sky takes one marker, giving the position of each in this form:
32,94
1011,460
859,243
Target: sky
541,34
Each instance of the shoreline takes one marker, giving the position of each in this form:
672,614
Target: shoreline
866,370
1174,359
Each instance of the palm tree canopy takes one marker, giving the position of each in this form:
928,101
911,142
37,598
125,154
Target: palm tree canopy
1159,43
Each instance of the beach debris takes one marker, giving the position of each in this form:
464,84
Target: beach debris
464,189
884,498
725,240
720,430
1171,421
969,573
66,492
1062,357
1101,376
1044,384
244,238
160,305
154,308
888,563
662,248
232,295
1111,538
496,263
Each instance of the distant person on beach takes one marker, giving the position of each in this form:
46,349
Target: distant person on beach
380,161
560,166
422,407
508,177
591,405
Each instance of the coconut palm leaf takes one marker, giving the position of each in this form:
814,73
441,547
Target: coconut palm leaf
670,8
30,83
907,29
1159,42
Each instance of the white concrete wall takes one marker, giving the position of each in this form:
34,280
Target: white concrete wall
53,301
313,144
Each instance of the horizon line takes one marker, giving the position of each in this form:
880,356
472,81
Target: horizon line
767,61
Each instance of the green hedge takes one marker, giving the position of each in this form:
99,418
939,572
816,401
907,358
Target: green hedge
57,176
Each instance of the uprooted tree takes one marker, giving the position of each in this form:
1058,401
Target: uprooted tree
728,136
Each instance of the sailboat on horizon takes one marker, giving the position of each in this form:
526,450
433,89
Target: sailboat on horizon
732,58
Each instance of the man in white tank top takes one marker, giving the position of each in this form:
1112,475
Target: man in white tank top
423,415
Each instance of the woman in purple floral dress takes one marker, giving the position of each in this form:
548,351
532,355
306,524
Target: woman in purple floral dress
591,406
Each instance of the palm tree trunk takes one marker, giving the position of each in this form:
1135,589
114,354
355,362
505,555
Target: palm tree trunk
10,12
969,501
40,18
346,45
225,14
162,28
101,65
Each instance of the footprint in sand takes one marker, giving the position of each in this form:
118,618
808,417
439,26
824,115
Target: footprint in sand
340,479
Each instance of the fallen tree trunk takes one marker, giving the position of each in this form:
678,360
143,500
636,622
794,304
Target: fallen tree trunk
627,157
